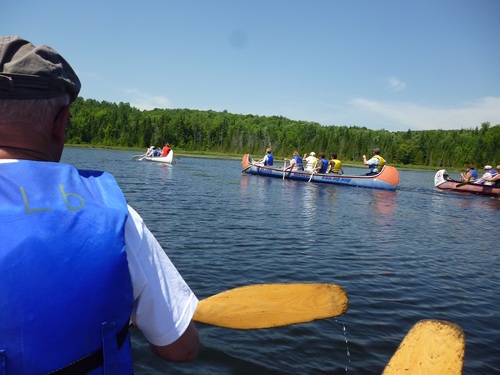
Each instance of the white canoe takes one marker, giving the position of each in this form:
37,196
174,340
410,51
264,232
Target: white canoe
169,159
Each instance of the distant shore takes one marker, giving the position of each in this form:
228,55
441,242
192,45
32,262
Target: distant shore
277,158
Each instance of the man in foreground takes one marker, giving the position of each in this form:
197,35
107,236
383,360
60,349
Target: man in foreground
77,263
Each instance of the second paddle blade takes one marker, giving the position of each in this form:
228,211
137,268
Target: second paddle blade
431,347
272,305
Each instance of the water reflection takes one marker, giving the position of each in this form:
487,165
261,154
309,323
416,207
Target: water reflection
384,203
166,172
308,205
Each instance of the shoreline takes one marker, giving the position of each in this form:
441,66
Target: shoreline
209,155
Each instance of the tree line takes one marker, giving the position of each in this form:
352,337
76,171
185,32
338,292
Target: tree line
106,124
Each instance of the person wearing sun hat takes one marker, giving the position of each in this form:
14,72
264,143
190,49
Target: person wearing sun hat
495,176
311,161
78,263
487,175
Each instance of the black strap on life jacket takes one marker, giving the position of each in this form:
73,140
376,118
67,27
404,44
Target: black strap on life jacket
3,370
93,360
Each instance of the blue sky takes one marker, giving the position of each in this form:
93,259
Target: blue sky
381,64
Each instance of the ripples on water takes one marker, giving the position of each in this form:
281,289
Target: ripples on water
402,256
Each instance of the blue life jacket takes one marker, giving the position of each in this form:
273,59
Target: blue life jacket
270,160
65,290
474,174
300,165
324,165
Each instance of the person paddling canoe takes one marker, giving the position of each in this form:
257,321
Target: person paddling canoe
78,263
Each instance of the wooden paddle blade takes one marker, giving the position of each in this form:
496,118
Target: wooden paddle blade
272,305
431,347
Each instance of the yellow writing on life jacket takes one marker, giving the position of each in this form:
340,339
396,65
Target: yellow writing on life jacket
66,200
72,205
27,206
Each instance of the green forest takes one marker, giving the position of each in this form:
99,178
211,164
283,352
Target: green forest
104,124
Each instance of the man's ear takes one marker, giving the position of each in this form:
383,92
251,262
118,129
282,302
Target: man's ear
61,122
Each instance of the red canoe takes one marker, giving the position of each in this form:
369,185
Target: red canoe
444,182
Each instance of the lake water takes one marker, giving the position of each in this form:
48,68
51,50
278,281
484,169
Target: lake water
402,256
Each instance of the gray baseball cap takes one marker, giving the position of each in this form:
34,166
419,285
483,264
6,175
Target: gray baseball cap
34,72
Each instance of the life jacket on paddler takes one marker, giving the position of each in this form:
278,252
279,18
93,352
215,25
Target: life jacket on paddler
299,163
270,160
381,162
65,294
336,166
324,165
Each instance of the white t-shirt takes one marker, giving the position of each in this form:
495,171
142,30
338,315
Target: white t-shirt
311,163
163,302
481,181
373,164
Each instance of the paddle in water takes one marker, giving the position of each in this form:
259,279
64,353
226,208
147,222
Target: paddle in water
247,168
430,347
272,305
312,174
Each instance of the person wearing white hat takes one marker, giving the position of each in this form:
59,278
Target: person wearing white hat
311,161
495,176
150,150
484,180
